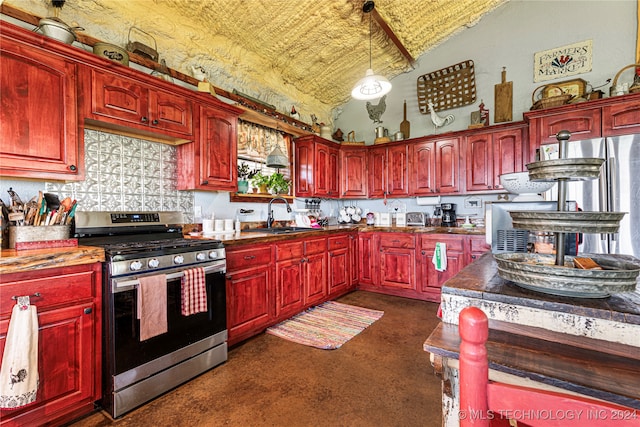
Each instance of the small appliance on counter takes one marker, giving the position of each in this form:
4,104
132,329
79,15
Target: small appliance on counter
417,219
448,214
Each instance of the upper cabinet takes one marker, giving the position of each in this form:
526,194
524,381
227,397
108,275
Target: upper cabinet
123,102
353,170
40,130
388,170
447,171
210,162
621,118
316,167
491,154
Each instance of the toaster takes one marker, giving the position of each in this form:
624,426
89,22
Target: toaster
417,219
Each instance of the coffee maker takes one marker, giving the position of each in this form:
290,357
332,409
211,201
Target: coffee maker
448,214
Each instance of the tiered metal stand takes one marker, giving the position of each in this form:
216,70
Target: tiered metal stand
559,276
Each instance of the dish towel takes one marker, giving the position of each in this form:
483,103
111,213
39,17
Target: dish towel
440,256
152,306
194,292
19,371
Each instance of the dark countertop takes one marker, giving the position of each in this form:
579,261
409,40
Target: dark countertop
480,280
13,261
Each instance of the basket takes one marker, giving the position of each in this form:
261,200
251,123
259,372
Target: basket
111,52
551,101
351,139
635,87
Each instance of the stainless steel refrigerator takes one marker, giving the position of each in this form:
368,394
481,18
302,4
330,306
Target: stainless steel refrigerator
617,190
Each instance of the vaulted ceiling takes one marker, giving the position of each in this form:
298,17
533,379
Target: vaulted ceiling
277,51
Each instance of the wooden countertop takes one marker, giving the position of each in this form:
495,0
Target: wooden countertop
13,261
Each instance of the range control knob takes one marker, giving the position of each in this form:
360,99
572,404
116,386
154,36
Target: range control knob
201,256
154,263
135,266
178,259
213,254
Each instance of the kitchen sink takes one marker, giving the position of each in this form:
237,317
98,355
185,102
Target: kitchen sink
281,230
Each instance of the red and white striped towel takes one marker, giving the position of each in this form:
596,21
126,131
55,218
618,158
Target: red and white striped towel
194,292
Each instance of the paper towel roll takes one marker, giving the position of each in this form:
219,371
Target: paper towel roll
428,201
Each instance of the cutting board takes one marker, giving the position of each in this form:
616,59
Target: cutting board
503,100
404,125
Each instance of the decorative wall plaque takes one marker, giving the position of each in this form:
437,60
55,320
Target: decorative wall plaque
450,87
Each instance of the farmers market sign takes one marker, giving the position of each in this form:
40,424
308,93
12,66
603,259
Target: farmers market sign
562,61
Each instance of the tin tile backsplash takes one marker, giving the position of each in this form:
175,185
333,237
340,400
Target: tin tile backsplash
128,174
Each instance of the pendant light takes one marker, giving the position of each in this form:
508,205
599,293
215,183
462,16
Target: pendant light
371,86
276,158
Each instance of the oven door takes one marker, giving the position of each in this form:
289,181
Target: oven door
125,351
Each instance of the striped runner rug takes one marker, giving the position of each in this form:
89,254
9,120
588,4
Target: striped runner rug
326,326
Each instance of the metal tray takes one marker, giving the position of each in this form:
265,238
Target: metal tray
539,273
569,169
567,222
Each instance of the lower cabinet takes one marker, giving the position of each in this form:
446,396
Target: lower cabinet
315,271
397,261
339,265
431,280
249,290
69,342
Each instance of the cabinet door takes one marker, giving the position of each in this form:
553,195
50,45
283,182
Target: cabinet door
326,171
354,172
397,261
422,169
315,278
448,165
376,164
479,156
338,271
507,154
398,170
218,152
39,116
366,258
119,98
304,168
249,301
354,258
622,118
289,287
455,260
477,247
170,112
66,368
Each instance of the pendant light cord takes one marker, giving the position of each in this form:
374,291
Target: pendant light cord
370,40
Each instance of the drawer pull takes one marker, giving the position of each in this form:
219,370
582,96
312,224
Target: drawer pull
249,257
37,294
88,310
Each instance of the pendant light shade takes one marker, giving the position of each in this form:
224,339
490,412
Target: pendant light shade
371,86
277,159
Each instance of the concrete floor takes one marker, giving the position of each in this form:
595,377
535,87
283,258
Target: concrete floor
382,377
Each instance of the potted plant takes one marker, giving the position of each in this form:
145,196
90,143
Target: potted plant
278,184
244,173
260,181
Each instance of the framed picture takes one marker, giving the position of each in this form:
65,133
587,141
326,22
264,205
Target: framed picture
575,87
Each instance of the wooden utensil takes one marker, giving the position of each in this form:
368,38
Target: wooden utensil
405,126
504,100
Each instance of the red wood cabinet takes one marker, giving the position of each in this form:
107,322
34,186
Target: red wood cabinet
477,245
447,166
289,285
431,280
304,168
353,172
326,170
249,287
366,259
388,169
40,128
70,341
422,168
621,118
316,167
377,172
397,261
491,154
354,258
315,281
339,265
210,162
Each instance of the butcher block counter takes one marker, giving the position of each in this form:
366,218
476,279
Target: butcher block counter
586,346
13,261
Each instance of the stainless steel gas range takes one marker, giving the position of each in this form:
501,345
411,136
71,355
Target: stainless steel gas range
144,244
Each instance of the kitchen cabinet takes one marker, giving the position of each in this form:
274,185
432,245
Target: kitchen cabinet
354,258
435,167
339,264
388,171
210,162
249,286
477,246
125,102
397,261
316,167
447,166
621,118
315,271
353,172
431,280
366,259
491,154
41,131
69,342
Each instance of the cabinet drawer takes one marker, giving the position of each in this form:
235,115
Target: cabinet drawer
396,240
338,242
316,246
239,259
289,250
454,243
55,290
479,244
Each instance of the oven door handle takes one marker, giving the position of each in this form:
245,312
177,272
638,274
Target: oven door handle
128,283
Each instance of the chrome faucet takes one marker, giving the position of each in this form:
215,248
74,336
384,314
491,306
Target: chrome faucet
270,212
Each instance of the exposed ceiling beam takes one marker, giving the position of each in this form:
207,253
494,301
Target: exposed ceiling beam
392,36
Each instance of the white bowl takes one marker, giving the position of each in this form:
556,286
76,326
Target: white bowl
518,183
